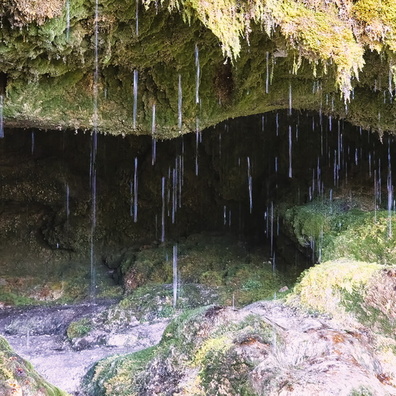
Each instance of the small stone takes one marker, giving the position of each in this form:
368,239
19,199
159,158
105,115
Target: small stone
283,289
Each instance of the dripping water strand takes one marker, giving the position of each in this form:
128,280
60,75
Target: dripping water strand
266,72
197,140
94,144
174,194
249,175
32,143
198,74
180,178
175,275
375,195
290,152
163,209
390,192
93,215
67,201
135,191
153,138
1,116
135,97
180,104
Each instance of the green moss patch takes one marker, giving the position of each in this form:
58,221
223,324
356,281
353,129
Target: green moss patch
17,376
200,346
321,287
218,262
366,291
337,229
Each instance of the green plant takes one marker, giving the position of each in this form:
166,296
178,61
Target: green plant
79,328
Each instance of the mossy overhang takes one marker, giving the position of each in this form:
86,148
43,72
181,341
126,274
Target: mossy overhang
197,62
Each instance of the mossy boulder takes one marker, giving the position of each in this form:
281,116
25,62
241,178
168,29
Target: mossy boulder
265,348
334,229
348,290
18,377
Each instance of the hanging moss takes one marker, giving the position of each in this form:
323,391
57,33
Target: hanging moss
275,48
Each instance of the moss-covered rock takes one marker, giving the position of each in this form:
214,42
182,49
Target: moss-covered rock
18,377
264,348
344,228
345,288
292,54
235,274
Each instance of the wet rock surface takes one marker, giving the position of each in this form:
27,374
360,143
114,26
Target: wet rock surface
263,348
39,335
118,348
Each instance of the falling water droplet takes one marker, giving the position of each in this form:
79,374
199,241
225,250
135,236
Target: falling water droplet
67,201
198,74
369,164
175,275
32,143
174,194
250,185
290,99
390,192
267,72
180,104
93,215
271,219
197,139
379,190
135,192
290,153
375,195
153,138
180,178
135,97
94,147
163,209
1,116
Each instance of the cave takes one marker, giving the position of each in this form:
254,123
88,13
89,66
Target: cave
210,184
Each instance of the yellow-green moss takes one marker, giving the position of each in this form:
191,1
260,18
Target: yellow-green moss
17,376
219,344
50,70
320,287
320,31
